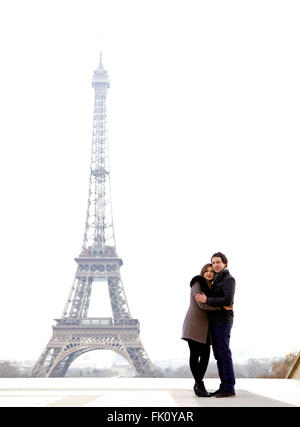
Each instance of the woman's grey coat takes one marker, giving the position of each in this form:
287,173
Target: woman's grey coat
195,325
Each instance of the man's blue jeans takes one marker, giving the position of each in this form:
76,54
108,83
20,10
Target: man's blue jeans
220,335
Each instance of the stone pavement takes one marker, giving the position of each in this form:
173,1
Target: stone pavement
142,392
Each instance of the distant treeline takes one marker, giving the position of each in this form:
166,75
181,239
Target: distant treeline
253,368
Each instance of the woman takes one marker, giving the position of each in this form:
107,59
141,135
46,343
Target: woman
195,329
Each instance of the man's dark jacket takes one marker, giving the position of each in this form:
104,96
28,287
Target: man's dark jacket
223,288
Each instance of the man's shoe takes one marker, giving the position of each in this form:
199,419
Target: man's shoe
216,392
225,394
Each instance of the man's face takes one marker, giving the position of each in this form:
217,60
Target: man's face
218,264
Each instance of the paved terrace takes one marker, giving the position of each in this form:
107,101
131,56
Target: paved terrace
142,392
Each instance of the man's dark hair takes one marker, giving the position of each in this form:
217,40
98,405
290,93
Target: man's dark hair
222,256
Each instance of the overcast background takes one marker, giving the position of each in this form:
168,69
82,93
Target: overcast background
203,126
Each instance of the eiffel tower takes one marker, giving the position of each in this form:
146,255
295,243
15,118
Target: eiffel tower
75,332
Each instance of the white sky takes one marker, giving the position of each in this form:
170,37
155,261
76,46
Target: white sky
203,125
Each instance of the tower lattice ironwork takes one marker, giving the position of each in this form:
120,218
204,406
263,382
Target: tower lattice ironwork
75,332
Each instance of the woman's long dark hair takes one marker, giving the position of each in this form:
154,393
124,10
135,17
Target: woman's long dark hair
204,268
200,278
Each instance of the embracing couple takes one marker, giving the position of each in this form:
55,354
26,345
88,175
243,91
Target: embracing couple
209,321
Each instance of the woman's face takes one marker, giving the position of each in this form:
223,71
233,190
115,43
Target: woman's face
209,274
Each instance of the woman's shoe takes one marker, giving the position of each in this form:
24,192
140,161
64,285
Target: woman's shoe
200,390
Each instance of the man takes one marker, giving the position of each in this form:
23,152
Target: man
223,288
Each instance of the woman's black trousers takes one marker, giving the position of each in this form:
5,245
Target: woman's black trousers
199,357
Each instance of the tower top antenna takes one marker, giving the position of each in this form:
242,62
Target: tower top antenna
100,74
